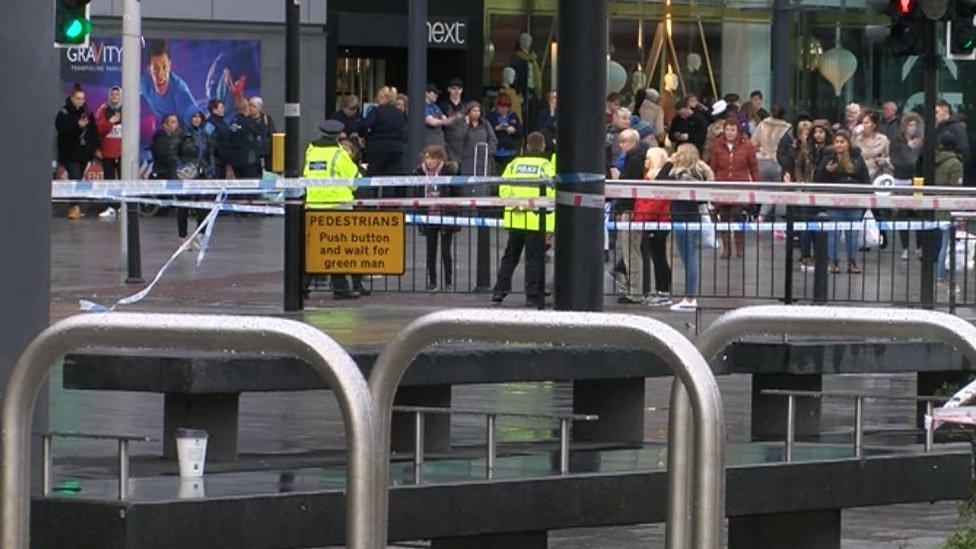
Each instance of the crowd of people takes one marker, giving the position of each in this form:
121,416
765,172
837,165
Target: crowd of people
655,137
744,142
212,145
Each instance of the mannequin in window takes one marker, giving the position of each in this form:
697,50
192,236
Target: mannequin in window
696,81
635,92
669,97
528,82
509,78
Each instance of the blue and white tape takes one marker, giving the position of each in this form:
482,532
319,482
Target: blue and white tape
205,227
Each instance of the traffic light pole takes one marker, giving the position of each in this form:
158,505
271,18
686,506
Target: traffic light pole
131,54
930,240
294,227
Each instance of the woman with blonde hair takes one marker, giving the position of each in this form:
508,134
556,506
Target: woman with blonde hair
657,166
686,165
386,139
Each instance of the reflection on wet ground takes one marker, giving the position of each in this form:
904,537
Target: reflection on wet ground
242,275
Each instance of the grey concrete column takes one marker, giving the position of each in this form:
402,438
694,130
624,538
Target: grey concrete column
29,64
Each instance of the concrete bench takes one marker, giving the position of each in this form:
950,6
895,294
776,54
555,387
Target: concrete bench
202,390
769,505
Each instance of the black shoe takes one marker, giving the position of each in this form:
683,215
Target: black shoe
534,303
362,290
626,300
346,294
482,290
498,297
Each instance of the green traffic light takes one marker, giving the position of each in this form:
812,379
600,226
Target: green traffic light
74,29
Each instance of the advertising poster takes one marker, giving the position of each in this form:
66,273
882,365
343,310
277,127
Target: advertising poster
178,75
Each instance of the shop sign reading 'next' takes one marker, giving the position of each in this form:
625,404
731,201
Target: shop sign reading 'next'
447,32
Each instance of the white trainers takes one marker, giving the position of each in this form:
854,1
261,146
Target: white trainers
685,306
108,213
658,299
904,255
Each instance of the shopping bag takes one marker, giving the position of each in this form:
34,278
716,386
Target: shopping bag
872,236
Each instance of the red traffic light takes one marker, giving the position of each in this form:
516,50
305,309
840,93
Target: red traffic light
904,7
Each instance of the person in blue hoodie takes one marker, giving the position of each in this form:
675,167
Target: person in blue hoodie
508,129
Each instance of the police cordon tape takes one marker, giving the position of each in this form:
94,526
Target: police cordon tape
206,227
705,192
152,187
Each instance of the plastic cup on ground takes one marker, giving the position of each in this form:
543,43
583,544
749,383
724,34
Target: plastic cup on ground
191,450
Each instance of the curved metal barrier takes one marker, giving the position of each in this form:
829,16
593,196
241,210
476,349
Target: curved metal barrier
577,328
784,320
196,332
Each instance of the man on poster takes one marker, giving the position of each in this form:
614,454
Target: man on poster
164,90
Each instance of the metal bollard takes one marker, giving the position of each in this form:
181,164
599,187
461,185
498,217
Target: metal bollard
123,469
490,449
929,432
418,447
48,465
563,446
790,426
820,274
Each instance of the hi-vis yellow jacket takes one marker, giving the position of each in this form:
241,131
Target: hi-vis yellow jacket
527,167
328,162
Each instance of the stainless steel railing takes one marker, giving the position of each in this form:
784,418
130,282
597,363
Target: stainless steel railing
577,328
123,456
250,334
858,398
491,441
782,320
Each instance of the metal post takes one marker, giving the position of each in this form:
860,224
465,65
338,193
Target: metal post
416,75
790,425
952,264
131,72
294,226
820,274
858,426
563,446
579,262
193,332
793,320
932,64
706,416
788,280
542,260
782,47
418,447
929,431
123,468
491,447
48,456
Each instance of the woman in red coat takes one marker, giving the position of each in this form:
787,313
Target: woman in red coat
733,159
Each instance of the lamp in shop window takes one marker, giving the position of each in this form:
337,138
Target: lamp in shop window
838,65
810,53
616,76
489,52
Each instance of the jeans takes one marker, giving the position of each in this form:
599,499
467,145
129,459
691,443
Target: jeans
941,269
851,237
687,243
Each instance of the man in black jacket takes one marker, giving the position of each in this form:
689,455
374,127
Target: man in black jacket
242,150
165,148
218,132
946,123
688,126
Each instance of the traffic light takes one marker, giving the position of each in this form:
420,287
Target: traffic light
906,21
71,23
961,30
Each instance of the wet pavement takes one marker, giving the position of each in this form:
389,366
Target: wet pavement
242,275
